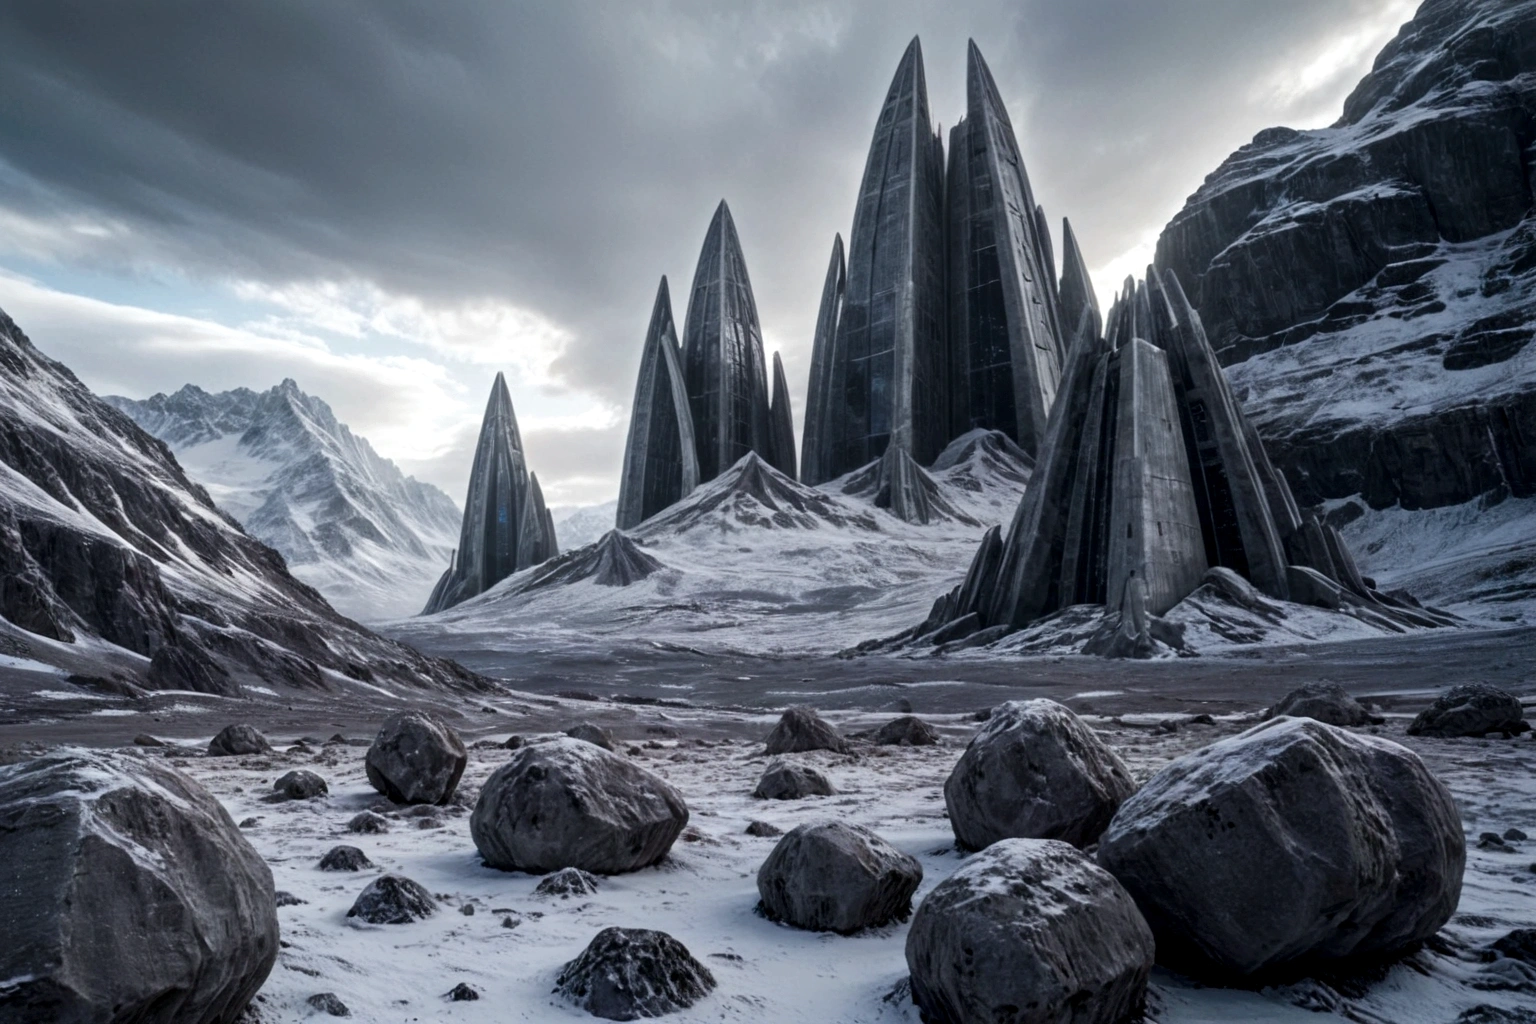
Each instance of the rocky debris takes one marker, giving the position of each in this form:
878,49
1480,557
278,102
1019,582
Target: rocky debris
300,785
416,758
786,780
238,740
630,973
1494,841
1471,709
345,858
99,843
1325,702
1032,932
328,1003
1290,845
906,731
368,823
567,803
1486,1014
763,830
589,733
565,883
393,899
284,898
802,729
463,993
837,877
1034,771
1519,944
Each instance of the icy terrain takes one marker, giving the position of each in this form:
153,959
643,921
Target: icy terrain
348,522
580,525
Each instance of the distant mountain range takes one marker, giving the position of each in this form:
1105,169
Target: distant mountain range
579,525
349,523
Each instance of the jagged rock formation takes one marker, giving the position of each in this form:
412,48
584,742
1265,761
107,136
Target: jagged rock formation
347,521
506,526
614,560
818,400
895,482
754,494
781,424
661,462
102,535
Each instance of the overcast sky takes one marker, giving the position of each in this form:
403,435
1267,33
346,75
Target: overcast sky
390,201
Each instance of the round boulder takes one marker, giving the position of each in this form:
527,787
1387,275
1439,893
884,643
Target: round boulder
594,734
1034,771
345,858
630,973
301,785
129,895
368,823
416,759
238,740
1032,932
835,877
802,729
1291,845
906,731
565,883
393,899
1471,709
569,804
785,780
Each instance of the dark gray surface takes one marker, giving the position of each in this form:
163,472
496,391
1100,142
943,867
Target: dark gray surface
661,459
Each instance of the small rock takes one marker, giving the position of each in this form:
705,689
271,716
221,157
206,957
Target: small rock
301,785
368,823
345,858
326,1002
429,821
513,742
284,898
1471,709
249,822
595,735
1493,841
1519,944
416,759
786,780
802,729
393,899
907,731
511,921
1324,702
468,910
628,973
144,739
238,740
837,877
1514,835
565,883
763,830
462,993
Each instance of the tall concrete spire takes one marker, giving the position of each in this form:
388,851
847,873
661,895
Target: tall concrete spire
661,462
818,400
781,423
1078,304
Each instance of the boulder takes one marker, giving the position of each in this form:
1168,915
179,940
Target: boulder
368,823
1029,931
300,785
1291,845
594,734
328,1003
565,883
763,830
1471,709
416,759
129,894
837,877
1325,702
463,992
785,780
906,731
393,899
802,729
238,740
629,973
567,803
1034,771
345,858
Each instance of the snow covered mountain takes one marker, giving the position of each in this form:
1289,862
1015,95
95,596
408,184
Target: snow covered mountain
1371,288
576,527
350,524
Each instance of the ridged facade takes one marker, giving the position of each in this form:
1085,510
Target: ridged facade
661,463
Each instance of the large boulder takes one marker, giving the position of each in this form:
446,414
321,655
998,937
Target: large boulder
570,804
393,899
906,731
416,758
786,780
835,877
1034,771
802,729
237,740
629,973
1293,844
300,784
1471,709
1029,931
128,895
1325,702
594,734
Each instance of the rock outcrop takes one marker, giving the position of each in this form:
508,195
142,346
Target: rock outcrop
630,973
1471,709
837,877
416,758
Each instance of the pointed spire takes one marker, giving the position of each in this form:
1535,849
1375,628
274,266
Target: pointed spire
661,463
817,397
781,423
535,543
1079,305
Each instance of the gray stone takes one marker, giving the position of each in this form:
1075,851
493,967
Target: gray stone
786,780
1029,931
416,758
630,973
907,731
1034,771
130,895
183,664
328,1003
565,883
300,785
345,858
1471,709
566,803
800,730
368,823
1325,702
393,899
1291,845
593,734
661,462
837,877
463,993
763,830
236,740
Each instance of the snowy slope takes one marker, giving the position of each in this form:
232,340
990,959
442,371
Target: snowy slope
578,526
349,523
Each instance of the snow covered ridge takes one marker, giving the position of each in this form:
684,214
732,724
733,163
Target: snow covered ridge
119,568
348,522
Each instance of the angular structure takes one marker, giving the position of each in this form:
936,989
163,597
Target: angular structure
813,448
506,526
723,354
661,462
1004,335
781,424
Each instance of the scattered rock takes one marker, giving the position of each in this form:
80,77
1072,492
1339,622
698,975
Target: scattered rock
906,731
237,741
837,877
326,1002
1034,771
1471,709
1029,931
567,803
589,733
416,759
143,739
463,993
511,921
300,785
1514,835
468,910
802,729
1325,702
1493,841
345,858
1364,843
129,894
393,899
786,780
629,973
763,830
249,822
284,898
565,883
368,823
